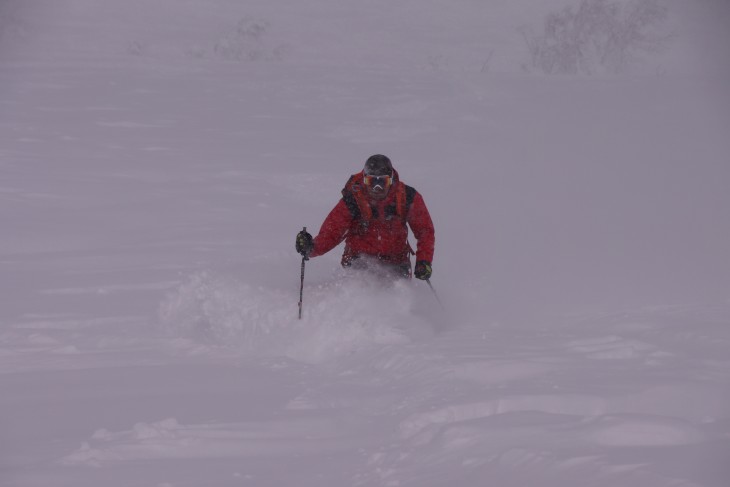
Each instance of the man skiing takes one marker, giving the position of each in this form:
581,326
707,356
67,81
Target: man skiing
371,218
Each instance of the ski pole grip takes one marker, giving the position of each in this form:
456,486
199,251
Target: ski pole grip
306,257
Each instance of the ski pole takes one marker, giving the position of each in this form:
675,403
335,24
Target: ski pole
435,294
301,286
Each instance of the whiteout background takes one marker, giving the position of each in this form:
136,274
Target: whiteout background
152,186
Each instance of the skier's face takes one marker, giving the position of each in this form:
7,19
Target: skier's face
378,194
378,186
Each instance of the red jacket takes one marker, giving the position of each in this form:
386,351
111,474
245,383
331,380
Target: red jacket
382,232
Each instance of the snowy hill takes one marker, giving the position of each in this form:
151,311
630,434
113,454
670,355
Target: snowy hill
157,159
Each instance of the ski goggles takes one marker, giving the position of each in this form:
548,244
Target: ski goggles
384,182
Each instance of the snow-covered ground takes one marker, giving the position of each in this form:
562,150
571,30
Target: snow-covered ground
158,157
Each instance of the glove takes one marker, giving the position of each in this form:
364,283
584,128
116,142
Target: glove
422,270
304,243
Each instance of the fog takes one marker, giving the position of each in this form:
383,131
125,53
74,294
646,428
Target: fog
158,157
572,193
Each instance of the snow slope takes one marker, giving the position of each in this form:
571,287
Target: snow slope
157,159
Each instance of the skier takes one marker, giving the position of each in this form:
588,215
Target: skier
371,218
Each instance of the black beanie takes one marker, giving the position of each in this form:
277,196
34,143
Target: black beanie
378,165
